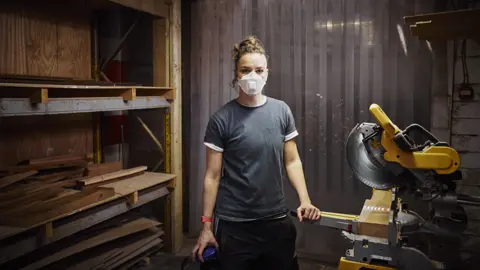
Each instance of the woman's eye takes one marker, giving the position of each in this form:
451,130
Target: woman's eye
260,71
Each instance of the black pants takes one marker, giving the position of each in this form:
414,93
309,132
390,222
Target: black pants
262,244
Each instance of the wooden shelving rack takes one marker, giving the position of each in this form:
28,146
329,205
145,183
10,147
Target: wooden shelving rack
109,199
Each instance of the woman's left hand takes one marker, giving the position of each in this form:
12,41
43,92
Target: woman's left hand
308,211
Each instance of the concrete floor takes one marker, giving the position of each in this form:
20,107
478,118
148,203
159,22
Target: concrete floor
173,262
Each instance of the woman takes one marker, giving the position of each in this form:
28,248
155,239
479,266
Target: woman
250,144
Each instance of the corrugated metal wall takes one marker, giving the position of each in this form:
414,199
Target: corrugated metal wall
329,60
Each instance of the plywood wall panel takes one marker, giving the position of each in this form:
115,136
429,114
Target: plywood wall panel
12,39
74,54
51,38
28,137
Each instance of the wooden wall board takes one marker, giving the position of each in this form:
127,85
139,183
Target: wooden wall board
24,138
47,38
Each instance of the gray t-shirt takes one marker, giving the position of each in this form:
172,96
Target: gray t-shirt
252,142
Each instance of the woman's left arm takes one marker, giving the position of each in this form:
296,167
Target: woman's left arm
294,168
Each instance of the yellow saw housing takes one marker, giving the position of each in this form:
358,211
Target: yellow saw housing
441,159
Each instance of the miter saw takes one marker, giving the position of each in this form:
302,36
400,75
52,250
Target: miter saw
397,166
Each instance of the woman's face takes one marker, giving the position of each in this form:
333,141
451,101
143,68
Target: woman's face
251,62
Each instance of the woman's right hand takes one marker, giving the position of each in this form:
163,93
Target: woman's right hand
205,239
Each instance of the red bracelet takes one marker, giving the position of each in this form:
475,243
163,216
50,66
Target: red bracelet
206,219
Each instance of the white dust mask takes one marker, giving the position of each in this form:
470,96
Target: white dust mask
252,84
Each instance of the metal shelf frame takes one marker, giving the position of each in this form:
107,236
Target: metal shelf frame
23,106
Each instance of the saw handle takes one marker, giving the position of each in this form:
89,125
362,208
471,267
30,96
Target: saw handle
293,213
383,120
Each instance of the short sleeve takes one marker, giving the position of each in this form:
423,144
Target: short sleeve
214,135
290,128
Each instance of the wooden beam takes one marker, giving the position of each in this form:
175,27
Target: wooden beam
167,72
176,123
129,94
161,55
40,96
154,7
445,25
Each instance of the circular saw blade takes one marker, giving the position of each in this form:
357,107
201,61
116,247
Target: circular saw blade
366,161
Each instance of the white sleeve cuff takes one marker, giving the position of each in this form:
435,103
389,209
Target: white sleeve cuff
291,135
213,147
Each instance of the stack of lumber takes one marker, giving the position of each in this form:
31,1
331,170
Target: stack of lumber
38,190
114,244
37,193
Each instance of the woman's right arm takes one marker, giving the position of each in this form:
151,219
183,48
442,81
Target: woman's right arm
210,188
211,181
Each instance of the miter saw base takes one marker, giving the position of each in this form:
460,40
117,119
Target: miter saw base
351,265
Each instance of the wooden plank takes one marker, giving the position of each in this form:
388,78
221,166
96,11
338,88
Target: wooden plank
78,87
155,242
122,188
94,259
466,143
31,199
73,224
103,168
129,246
373,220
115,233
32,189
128,93
466,127
143,256
11,179
110,176
52,165
110,252
444,25
66,205
446,16
57,176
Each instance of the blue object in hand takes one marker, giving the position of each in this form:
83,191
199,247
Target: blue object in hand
209,254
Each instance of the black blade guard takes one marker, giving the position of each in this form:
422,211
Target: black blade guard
365,158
